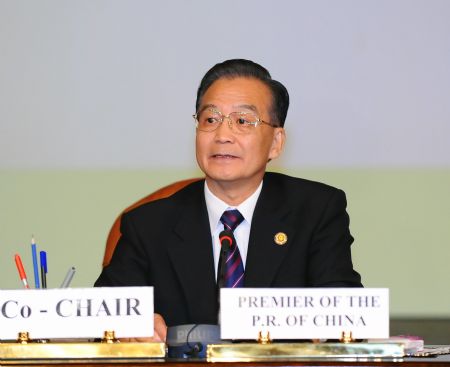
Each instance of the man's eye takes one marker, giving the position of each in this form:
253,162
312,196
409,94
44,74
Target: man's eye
211,120
242,121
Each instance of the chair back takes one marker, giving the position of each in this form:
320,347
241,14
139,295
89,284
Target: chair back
114,233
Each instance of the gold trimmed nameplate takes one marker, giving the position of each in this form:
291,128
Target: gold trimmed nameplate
254,352
12,353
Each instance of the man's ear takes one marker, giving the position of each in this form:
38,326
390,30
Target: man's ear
279,138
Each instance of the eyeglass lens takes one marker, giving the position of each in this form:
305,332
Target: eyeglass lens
209,120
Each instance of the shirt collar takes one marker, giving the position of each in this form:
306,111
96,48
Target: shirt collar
216,207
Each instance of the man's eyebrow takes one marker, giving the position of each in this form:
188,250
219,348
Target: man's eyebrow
250,107
247,107
207,106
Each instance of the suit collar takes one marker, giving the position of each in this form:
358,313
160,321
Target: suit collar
216,207
190,245
190,250
272,215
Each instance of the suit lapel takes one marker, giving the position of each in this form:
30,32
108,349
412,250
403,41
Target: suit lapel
190,246
190,251
270,217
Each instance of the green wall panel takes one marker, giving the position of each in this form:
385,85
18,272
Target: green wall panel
400,220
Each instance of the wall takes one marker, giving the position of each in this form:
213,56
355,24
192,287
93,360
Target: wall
399,219
96,99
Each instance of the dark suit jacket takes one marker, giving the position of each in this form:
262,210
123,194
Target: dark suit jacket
167,244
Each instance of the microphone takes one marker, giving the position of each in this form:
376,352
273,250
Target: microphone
190,340
226,240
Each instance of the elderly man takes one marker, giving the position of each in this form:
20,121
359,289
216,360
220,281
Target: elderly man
289,232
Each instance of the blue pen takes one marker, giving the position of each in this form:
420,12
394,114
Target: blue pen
35,263
43,269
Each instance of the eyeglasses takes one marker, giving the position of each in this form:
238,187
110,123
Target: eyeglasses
209,120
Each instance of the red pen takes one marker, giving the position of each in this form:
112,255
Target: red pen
22,275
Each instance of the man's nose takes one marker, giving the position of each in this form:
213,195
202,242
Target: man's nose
225,128
227,123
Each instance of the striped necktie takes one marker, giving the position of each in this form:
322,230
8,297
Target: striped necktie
234,269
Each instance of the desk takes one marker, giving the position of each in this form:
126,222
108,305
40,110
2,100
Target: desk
439,361
282,355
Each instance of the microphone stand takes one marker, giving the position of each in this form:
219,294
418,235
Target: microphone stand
226,239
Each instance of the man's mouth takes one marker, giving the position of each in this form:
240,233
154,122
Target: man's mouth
224,156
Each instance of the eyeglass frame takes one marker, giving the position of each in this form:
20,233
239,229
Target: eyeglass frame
258,121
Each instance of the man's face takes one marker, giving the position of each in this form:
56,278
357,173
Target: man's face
227,156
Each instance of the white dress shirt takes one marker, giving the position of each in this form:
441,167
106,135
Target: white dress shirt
216,207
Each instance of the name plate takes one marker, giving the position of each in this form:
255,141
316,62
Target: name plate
304,313
76,312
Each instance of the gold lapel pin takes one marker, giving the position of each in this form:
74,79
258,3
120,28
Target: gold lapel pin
280,238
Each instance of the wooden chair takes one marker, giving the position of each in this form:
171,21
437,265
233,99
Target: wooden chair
114,233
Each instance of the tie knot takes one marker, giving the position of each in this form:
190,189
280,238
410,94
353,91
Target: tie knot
231,219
